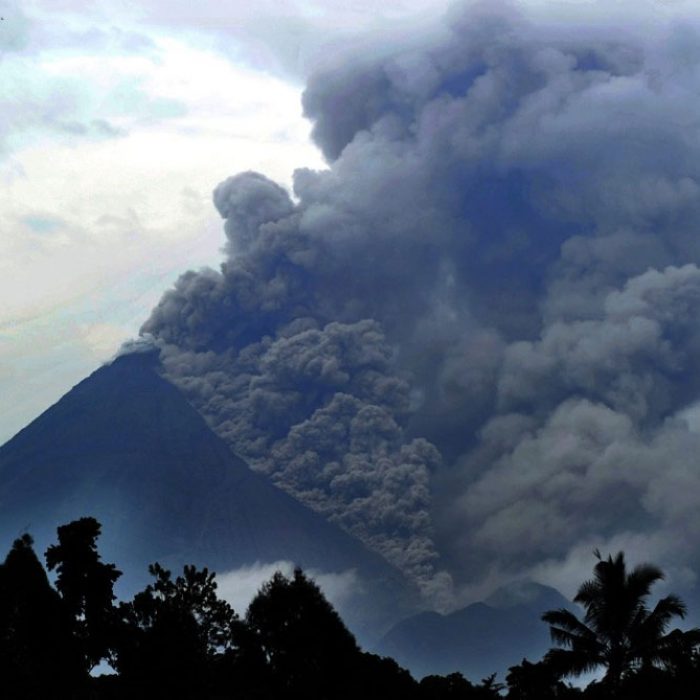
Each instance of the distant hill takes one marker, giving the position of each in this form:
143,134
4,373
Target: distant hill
478,640
126,447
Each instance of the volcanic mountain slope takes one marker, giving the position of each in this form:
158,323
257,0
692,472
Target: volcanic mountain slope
125,447
478,640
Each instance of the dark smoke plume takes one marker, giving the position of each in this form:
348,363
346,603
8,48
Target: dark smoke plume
473,340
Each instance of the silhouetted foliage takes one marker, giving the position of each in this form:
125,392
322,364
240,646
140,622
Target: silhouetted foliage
172,632
301,637
619,632
86,586
456,687
537,681
38,653
380,677
177,639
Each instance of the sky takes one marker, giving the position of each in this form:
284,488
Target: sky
443,273
119,120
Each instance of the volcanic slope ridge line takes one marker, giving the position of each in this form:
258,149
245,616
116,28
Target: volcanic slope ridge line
126,447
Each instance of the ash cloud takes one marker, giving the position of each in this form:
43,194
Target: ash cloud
471,341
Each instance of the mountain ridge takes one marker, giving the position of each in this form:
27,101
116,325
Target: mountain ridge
126,447
472,640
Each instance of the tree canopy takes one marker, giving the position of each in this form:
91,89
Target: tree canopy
619,632
177,638
86,586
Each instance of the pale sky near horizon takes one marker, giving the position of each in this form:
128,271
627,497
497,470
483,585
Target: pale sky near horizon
119,119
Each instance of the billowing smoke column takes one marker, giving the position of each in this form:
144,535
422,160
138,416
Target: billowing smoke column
474,341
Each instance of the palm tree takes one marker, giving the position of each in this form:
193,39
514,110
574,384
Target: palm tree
618,631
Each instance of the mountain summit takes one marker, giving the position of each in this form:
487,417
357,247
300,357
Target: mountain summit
480,639
126,447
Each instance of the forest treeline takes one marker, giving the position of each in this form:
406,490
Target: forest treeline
178,639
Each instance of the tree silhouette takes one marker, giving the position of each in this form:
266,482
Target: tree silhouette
38,652
177,639
86,586
537,681
456,687
174,630
619,631
380,677
305,644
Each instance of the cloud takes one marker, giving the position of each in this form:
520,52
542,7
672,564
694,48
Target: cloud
15,29
471,339
240,586
114,133
292,38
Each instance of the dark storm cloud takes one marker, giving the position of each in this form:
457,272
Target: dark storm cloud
499,264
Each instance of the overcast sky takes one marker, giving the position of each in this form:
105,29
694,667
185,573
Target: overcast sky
118,119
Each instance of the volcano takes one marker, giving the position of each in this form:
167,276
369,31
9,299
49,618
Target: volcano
481,639
126,447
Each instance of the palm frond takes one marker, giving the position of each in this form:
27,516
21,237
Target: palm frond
567,620
588,592
664,611
618,630
675,649
642,578
568,631
565,662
